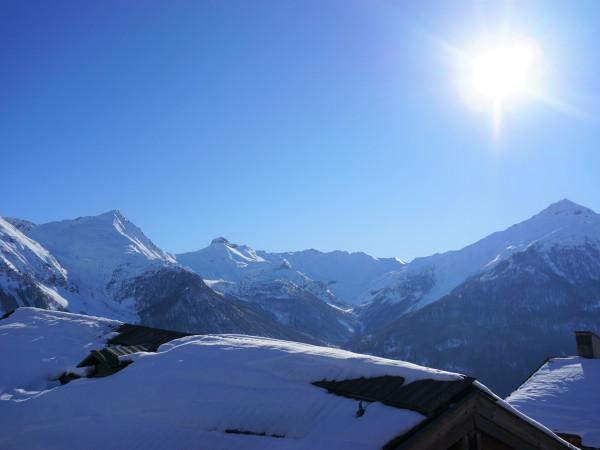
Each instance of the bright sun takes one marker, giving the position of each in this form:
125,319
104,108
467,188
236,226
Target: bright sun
499,74
502,73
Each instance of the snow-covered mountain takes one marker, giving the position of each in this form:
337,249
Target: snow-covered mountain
275,287
104,265
338,277
481,309
426,280
225,265
522,294
223,260
101,254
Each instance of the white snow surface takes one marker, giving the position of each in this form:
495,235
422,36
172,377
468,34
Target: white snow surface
188,393
564,395
561,224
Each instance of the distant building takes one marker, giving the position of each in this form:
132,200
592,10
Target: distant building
564,394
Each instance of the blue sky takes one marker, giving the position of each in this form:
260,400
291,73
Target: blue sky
290,124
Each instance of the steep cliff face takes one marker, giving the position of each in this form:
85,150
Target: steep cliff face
178,299
29,274
299,310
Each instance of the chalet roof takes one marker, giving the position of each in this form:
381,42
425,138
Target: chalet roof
428,397
106,361
127,339
151,338
564,395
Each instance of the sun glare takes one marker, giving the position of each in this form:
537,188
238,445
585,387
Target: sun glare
497,75
503,73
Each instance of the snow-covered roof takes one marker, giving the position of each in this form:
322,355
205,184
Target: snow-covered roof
564,395
192,390
38,345
212,391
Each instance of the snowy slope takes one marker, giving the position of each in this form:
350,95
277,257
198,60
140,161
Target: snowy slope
425,280
223,260
347,274
24,255
29,274
275,287
564,395
280,276
95,247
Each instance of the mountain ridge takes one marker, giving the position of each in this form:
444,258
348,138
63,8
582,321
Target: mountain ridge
111,269
429,278
541,275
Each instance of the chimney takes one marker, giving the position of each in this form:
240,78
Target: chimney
588,344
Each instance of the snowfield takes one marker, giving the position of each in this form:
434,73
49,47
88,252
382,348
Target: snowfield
188,393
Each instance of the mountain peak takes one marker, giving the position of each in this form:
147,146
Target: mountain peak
565,207
219,240
113,214
98,245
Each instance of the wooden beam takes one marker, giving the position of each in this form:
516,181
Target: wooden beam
443,431
478,412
